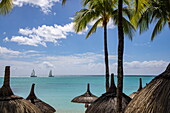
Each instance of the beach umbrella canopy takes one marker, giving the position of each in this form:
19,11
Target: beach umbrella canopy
153,98
139,89
44,107
108,101
10,103
87,97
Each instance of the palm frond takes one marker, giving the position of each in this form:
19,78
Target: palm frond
82,18
85,2
127,12
158,27
145,20
140,6
128,28
94,27
6,6
127,2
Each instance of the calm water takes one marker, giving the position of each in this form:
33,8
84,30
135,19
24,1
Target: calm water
59,91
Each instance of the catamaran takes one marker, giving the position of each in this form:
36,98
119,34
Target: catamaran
50,74
33,74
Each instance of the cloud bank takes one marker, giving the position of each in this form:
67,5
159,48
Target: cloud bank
76,64
6,53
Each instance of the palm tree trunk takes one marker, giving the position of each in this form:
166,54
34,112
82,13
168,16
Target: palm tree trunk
169,22
106,57
120,58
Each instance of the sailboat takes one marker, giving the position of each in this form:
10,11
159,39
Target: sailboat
33,73
50,74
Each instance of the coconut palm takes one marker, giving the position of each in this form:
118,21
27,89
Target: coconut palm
120,57
6,6
101,11
156,11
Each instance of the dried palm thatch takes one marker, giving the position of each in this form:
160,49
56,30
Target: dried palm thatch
44,107
9,103
108,101
86,98
139,89
153,98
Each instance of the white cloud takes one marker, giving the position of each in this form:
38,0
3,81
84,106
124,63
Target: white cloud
25,31
110,24
31,51
43,34
6,39
27,41
146,64
86,63
145,67
71,18
47,64
77,59
59,67
17,67
77,64
45,5
54,13
5,51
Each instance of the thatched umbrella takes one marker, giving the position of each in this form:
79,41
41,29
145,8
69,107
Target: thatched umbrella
9,103
86,98
139,89
44,107
108,101
153,98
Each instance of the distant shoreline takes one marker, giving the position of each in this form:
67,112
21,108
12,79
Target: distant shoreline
86,75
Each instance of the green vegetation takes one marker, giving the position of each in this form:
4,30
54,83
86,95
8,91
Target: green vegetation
6,6
157,11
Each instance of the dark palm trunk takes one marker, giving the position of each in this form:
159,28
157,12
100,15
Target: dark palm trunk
106,57
169,22
120,58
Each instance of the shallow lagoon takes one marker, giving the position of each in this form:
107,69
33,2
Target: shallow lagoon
60,90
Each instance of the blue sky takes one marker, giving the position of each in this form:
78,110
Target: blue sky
39,35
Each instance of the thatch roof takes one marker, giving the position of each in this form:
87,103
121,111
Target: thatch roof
87,97
108,101
9,103
139,89
153,98
44,107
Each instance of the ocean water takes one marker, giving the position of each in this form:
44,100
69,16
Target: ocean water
60,90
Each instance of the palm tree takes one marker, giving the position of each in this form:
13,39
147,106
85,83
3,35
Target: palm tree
6,6
155,11
101,11
120,57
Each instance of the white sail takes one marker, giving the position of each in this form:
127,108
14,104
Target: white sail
33,73
50,74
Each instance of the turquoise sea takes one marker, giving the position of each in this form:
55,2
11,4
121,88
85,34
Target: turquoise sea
60,90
